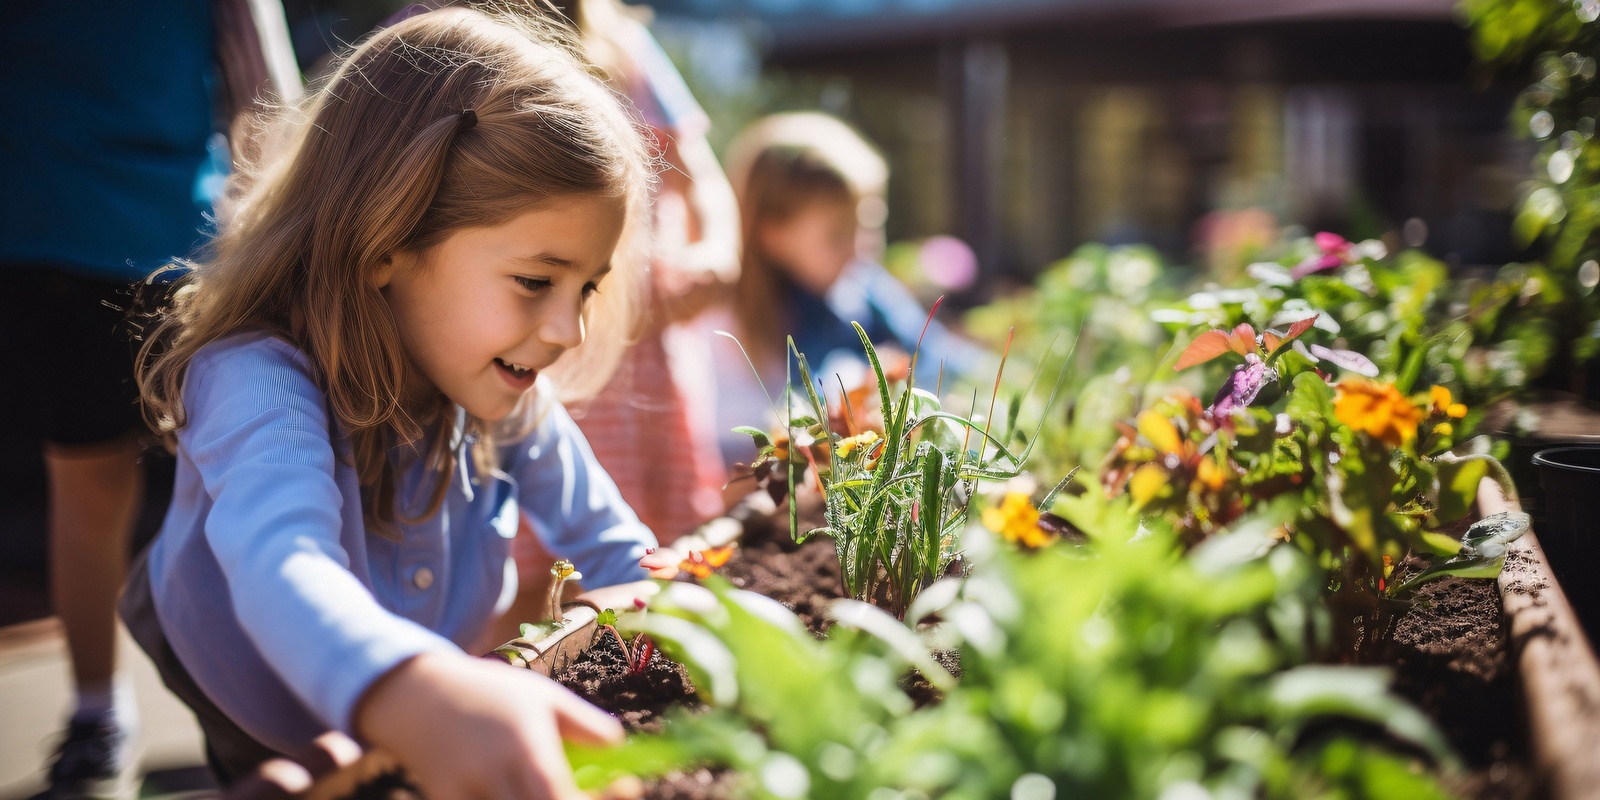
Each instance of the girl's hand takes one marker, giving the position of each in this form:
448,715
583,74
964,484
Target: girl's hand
662,562
473,728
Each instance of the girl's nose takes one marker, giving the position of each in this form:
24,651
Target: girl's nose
563,326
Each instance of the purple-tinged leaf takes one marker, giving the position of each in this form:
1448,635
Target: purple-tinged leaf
1243,385
1315,264
1347,360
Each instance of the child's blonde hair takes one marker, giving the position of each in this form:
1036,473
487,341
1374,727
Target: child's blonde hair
451,119
779,166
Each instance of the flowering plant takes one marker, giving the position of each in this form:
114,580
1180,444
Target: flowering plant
1107,670
896,496
1353,470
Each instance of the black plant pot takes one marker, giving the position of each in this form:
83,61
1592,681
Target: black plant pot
1570,528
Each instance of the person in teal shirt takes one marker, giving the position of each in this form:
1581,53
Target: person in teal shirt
109,114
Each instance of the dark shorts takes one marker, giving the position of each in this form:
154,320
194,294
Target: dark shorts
230,752
66,355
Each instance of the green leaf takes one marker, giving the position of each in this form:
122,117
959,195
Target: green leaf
1458,487
931,512
595,768
1483,550
1440,544
1301,694
607,617
760,436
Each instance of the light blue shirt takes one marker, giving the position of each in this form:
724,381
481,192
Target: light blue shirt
270,589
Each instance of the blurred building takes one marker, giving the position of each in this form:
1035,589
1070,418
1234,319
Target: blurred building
1028,127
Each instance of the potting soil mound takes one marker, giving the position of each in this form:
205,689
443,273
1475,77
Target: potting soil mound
601,676
1450,657
805,577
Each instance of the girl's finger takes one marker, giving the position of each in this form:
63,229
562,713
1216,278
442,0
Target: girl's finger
274,779
581,723
549,775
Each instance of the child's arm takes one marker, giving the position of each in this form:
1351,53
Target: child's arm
258,436
479,728
574,505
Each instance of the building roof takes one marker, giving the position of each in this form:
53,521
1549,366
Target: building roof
807,24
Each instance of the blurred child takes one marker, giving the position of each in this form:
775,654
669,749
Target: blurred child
651,427
359,383
811,201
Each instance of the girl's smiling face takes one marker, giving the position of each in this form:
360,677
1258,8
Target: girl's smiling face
482,312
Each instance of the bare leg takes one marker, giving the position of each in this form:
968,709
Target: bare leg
95,491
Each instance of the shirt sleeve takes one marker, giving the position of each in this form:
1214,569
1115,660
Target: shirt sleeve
258,435
905,318
574,504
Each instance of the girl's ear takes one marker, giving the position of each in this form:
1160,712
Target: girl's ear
388,268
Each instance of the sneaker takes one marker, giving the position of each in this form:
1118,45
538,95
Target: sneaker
94,763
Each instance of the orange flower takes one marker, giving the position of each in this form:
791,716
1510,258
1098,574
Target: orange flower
1377,409
700,563
1443,404
1209,476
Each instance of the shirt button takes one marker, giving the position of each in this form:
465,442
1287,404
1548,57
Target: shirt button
422,578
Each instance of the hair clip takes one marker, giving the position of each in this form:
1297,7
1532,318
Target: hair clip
469,118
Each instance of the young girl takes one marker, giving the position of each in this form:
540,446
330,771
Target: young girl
810,195
359,380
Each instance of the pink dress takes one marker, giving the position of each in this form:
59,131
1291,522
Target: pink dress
648,427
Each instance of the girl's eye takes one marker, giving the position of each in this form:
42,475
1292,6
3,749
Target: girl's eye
535,285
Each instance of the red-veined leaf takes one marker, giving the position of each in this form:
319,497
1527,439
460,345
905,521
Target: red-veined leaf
1205,347
1274,340
1243,340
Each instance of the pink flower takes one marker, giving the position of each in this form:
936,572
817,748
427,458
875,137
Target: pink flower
1335,253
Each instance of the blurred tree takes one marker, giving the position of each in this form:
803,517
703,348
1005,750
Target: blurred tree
1560,207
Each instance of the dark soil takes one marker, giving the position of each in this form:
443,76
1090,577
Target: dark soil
803,577
640,701
917,687
393,785
702,784
601,676
1450,658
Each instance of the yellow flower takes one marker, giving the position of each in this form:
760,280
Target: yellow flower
1377,409
1160,431
1146,483
1444,429
564,569
1443,405
860,441
1016,520
1210,476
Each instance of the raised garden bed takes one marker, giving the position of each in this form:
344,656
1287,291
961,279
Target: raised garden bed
1507,674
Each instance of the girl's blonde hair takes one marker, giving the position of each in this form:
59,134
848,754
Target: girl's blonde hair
385,157
779,166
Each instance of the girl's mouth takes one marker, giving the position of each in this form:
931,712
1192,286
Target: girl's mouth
520,377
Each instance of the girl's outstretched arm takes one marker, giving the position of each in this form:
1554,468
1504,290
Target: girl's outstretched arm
574,504
473,728
282,535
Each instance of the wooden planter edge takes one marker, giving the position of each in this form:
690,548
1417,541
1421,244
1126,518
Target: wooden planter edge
1559,674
